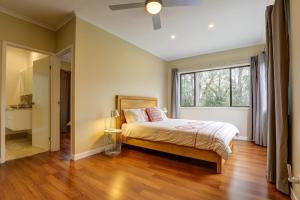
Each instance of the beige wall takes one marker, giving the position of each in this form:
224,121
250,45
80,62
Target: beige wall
24,33
106,66
295,67
223,58
65,36
238,116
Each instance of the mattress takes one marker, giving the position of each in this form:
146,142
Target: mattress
205,135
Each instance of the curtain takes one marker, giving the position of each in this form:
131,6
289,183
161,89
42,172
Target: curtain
65,100
174,94
278,85
259,99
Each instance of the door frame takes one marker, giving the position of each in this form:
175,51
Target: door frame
70,49
53,97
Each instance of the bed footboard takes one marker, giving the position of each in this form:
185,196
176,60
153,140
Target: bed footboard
189,152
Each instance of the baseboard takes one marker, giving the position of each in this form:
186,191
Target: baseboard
91,152
243,138
293,195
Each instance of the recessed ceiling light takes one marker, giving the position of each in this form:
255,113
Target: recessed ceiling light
211,26
173,37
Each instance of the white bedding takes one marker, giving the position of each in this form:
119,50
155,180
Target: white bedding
206,135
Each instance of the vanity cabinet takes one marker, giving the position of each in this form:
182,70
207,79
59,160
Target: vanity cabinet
18,119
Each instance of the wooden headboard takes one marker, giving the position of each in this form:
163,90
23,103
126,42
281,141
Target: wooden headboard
131,102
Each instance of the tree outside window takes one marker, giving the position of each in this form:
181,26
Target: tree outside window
216,88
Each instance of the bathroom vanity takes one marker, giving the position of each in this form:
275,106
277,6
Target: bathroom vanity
18,119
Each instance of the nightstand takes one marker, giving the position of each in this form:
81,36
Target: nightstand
114,139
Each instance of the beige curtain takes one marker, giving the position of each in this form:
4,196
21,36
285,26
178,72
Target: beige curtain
259,99
278,85
174,94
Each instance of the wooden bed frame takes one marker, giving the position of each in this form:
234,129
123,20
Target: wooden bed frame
130,102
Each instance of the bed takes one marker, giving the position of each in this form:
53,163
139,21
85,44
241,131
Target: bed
179,137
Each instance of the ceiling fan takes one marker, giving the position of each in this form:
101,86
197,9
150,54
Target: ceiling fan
154,7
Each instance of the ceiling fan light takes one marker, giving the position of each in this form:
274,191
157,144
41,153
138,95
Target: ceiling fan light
153,6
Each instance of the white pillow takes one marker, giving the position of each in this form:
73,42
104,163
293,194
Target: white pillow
135,115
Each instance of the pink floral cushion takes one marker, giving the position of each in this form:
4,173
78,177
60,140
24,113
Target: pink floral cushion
155,114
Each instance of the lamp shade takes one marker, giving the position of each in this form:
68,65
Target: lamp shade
115,113
165,110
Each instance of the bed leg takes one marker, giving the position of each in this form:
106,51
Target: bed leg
220,165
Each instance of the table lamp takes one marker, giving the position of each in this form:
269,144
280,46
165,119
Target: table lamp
114,114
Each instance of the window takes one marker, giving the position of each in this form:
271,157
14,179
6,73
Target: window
212,88
228,87
187,85
240,86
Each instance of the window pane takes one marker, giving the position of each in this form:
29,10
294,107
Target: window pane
240,78
213,88
187,89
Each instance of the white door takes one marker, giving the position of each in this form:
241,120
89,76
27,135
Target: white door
41,104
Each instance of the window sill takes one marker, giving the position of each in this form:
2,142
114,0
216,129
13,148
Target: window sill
225,108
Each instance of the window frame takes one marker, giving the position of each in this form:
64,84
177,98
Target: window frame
230,85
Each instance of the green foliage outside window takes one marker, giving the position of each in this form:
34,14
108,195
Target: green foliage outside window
187,90
216,88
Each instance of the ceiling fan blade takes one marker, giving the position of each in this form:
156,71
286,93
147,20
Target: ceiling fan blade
172,3
156,21
127,6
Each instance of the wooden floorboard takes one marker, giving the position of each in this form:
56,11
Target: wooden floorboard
137,174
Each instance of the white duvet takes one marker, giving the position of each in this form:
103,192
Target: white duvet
206,135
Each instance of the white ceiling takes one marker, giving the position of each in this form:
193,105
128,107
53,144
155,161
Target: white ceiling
238,23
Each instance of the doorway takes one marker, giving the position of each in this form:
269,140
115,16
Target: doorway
29,102
27,122
65,58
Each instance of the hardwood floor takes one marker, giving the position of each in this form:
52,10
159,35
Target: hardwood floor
137,174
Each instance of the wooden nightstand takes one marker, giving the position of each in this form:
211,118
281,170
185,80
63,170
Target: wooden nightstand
115,139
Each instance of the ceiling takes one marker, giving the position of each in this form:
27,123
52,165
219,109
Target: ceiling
238,23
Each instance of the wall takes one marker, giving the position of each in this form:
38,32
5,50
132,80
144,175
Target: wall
65,36
25,33
295,68
238,116
106,66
